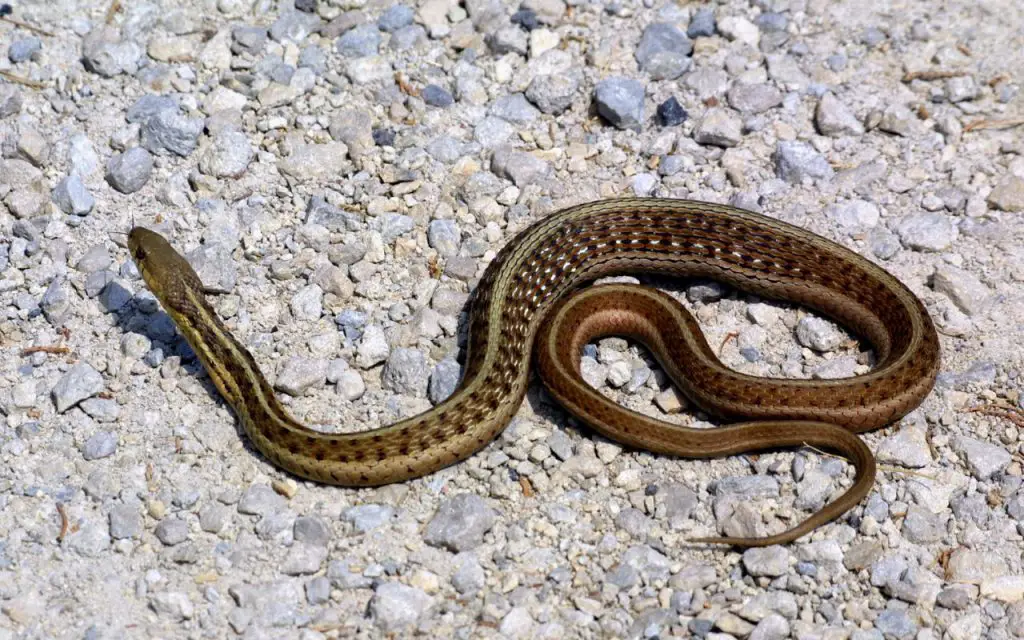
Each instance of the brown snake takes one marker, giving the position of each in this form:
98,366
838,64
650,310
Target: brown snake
522,305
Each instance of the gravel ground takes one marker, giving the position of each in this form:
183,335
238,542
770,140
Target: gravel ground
341,173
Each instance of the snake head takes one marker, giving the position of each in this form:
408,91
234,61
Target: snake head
167,273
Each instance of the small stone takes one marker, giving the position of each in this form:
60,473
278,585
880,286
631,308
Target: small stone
736,28
125,522
927,232
173,605
313,161
396,606
351,385
554,93
520,167
248,39
260,500
80,382
367,517
818,334
855,214
129,171
373,348
961,89
664,51
300,374
406,372
1008,195
359,42
72,197
766,561
318,590
702,24
833,118
437,96
671,113
172,531
396,17
444,379
984,459
169,130
621,102
460,523
921,526
100,445
795,161
213,518
719,128
754,98
227,156
303,559
24,48
10,100
962,287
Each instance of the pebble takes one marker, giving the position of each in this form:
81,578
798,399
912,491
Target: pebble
129,171
460,523
671,113
833,118
168,130
396,606
299,374
444,379
554,93
406,371
962,288
437,96
24,49
702,24
754,98
172,531
621,102
99,445
797,161
73,197
367,517
664,51
80,382
228,155
983,459
719,128
927,232
1008,195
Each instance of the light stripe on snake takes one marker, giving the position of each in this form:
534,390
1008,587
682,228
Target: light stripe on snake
523,302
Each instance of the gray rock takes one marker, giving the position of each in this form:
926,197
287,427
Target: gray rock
818,334
491,132
961,89
927,232
303,559
444,379
796,161
985,460
900,120
460,523
294,26
1008,195
895,623
23,49
719,128
508,39
311,530
854,214
359,42
469,576
343,577
437,96
318,590
80,382
957,597
766,561
754,98
169,130
105,54
554,93
248,39
621,102
373,348
72,197
407,38
664,51
350,385
214,517
56,303
148,106
921,526
260,500
771,627
227,156
10,100
172,531
444,237
367,517
396,17
520,167
300,374
172,605
833,118
396,606
514,108
129,171
962,287
100,445
406,371
702,24
125,522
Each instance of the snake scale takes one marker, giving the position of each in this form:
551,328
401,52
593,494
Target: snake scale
529,303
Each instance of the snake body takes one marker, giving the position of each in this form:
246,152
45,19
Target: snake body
522,304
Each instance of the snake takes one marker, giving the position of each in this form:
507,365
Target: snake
537,301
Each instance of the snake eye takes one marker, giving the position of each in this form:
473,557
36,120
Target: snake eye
139,253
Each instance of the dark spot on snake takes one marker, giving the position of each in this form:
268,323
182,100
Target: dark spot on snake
403,450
